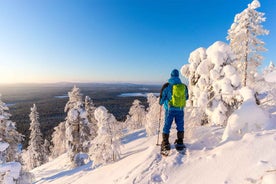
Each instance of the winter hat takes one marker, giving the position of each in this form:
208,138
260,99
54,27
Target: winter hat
175,73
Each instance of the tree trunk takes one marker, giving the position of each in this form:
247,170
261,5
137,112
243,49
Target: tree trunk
245,71
246,58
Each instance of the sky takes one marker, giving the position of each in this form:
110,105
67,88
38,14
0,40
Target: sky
138,41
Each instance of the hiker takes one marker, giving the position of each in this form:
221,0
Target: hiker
173,95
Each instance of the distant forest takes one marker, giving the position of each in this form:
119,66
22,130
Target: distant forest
50,104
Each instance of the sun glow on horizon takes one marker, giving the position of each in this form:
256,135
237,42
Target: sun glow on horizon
13,76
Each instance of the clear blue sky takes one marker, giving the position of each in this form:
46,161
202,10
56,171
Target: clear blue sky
113,40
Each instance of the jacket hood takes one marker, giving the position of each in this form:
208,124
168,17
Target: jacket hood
174,80
175,73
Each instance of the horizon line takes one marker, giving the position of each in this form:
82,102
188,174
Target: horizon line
78,82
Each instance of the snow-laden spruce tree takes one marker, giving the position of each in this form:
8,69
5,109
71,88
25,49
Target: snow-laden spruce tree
8,133
90,110
58,140
105,148
270,69
35,150
77,129
244,42
153,116
136,116
213,81
46,147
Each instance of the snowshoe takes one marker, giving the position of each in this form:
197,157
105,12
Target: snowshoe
180,146
165,153
181,150
165,149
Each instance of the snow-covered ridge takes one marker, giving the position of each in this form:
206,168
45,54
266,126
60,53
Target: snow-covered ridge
249,160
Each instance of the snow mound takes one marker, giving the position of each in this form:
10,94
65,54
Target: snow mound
241,122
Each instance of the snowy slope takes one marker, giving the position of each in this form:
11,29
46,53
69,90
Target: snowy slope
207,161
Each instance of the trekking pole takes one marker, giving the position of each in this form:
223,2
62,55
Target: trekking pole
159,120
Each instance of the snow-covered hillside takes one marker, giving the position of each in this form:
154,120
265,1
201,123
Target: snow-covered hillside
249,160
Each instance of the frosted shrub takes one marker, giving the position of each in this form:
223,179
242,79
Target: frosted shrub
136,116
152,116
105,148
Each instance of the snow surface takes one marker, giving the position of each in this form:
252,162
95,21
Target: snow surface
11,171
248,160
3,146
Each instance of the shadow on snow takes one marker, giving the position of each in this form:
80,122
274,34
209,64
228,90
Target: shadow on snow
85,167
134,136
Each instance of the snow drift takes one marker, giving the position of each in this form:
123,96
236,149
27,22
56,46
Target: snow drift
248,118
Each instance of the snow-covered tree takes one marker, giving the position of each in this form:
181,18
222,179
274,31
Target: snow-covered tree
105,147
58,140
8,133
213,81
77,129
136,116
46,147
153,116
90,110
271,68
225,82
244,42
9,172
197,71
35,149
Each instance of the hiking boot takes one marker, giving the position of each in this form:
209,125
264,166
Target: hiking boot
165,145
179,145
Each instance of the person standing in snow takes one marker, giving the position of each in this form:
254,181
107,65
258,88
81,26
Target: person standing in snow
173,96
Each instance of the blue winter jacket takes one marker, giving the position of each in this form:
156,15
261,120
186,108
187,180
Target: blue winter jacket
167,93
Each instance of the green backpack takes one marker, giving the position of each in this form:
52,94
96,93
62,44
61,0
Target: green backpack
178,96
